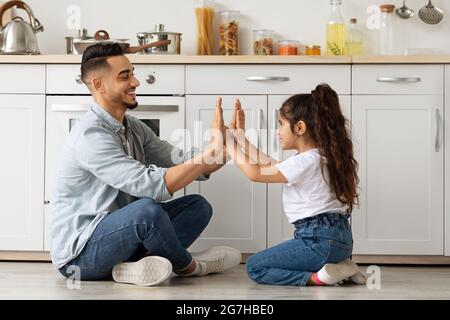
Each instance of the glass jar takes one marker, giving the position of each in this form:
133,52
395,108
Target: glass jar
263,42
386,32
204,13
229,33
335,30
313,50
288,47
354,45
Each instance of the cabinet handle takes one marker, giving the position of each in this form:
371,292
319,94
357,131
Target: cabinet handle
437,143
399,79
274,128
262,79
259,119
46,202
78,79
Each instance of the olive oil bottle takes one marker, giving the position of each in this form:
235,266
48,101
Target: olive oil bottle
335,30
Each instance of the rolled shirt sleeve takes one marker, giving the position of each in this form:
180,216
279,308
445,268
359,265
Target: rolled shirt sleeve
99,151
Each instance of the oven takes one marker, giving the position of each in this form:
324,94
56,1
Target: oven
163,114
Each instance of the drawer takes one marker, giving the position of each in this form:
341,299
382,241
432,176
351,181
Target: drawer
265,79
154,79
398,79
22,78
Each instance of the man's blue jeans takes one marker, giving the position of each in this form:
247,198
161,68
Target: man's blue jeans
318,240
143,227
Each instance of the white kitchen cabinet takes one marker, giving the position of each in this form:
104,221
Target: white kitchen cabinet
398,144
278,227
447,160
22,128
240,209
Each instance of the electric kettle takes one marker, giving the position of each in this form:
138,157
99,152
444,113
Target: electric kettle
19,36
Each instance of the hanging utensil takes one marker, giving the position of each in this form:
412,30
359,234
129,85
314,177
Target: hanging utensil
404,12
430,14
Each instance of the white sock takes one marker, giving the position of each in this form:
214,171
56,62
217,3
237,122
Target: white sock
197,271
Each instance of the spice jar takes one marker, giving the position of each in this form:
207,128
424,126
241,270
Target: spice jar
313,50
263,42
229,33
288,48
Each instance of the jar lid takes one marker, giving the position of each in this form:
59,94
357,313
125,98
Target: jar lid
387,8
264,30
353,20
288,42
229,12
313,46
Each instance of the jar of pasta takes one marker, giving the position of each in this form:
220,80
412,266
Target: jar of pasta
204,13
229,33
263,42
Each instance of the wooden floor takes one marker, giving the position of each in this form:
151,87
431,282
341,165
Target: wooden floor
26,280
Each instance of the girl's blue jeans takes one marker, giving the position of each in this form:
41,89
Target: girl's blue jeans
318,240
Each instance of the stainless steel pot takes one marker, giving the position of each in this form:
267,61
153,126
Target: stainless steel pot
160,35
79,44
18,36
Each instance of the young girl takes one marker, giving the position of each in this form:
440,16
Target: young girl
319,191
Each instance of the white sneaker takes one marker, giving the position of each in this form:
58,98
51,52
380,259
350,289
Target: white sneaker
334,273
217,259
358,278
148,271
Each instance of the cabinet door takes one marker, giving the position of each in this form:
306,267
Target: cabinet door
239,218
22,130
279,229
447,161
399,149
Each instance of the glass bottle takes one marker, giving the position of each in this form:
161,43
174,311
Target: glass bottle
229,33
386,31
354,42
335,30
204,13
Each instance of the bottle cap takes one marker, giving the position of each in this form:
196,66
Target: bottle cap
387,8
353,20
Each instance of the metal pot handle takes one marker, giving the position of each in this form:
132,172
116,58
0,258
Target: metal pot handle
35,24
101,35
9,5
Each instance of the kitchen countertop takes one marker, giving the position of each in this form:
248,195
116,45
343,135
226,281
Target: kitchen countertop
216,59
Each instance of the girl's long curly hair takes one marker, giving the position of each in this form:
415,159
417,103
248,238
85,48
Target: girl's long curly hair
327,127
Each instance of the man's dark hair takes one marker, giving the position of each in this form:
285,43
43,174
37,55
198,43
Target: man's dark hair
95,56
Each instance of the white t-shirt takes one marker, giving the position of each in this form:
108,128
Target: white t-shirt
307,193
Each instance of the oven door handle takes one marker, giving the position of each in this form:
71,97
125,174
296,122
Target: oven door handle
69,107
157,108
145,107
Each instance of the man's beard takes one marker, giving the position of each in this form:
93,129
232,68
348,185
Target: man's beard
131,106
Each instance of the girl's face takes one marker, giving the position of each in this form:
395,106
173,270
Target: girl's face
287,138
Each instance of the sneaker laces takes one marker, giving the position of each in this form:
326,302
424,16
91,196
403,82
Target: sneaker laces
213,264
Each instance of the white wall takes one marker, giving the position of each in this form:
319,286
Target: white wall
303,20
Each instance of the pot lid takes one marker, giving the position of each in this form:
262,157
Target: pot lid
159,29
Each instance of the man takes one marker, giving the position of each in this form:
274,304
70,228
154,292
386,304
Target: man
107,215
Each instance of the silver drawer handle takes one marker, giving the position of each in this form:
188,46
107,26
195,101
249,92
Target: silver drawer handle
275,136
399,79
268,79
78,79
